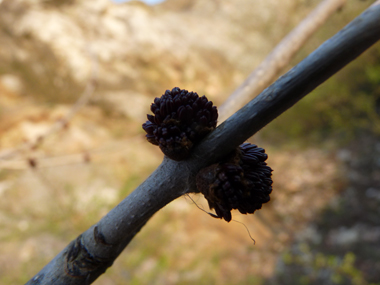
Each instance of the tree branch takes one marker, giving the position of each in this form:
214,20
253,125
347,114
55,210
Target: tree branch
87,257
255,83
279,58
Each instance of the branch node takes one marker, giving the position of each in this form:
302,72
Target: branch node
99,237
81,263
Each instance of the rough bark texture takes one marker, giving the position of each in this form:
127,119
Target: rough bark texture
87,257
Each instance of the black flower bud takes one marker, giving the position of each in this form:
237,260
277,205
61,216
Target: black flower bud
180,119
242,181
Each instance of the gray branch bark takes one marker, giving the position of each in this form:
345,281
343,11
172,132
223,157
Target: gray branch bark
279,58
88,256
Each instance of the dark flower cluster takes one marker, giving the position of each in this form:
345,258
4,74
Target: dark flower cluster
180,119
243,182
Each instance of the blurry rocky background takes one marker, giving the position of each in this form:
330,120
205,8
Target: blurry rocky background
76,81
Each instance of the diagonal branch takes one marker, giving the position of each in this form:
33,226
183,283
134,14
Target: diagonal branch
260,78
87,257
279,58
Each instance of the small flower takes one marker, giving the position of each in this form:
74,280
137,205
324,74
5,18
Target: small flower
180,119
242,181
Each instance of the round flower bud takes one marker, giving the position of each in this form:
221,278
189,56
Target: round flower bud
242,181
180,119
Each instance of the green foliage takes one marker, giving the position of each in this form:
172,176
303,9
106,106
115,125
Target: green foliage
304,266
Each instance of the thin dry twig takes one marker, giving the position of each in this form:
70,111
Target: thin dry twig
105,153
60,124
217,217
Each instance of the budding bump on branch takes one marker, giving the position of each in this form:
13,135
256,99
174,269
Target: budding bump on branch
242,180
180,119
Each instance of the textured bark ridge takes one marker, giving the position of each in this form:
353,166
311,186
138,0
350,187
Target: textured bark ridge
80,262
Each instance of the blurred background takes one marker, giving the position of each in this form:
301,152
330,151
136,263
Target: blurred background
76,81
